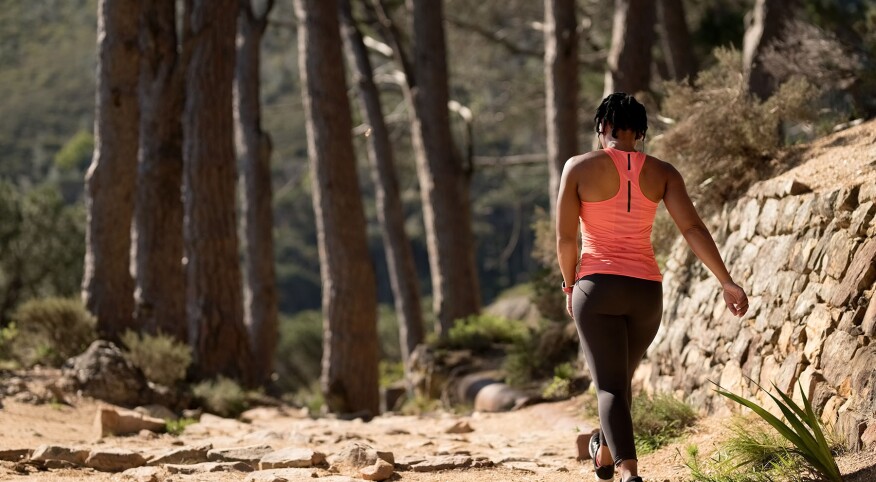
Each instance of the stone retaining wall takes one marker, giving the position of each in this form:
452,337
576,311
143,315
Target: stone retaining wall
808,262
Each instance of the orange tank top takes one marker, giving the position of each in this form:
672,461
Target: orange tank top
616,233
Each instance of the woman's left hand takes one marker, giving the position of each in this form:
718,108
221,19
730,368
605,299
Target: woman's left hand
569,304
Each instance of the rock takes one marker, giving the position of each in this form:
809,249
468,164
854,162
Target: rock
497,397
868,438
117,421
448,462
819,324
836,258
460,427
250,454
357,455
859,276
839,349
144,474
582,444
850,426
184,455
157,411
114,460
291,457
281,475
861,219
868,324
210,424
104,373
381,470
14,455
45,453
749,219
207,467
267,414
766,224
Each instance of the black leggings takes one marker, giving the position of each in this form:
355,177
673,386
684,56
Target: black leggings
617,318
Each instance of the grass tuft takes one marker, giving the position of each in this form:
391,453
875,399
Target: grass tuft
659,420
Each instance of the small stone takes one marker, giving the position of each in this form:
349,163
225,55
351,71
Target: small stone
449,462
281,475
460,427
45,453
157,411
868,438
143,474
185,455
859,276
148,434
114,460
251,454
111,420
207,467
291,457
582,444
266,414
357,455
14,455
381,470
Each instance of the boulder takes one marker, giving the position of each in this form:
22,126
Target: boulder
14,455
251,454
114,460
144,474
380,470
117,421
498,397
103,372
157,411
357,455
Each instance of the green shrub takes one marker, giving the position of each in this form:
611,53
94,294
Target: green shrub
51,330
658,420
221,396
801,429
162,358
298,359
178,426
481,331
722,468
721,137
76,153
391,372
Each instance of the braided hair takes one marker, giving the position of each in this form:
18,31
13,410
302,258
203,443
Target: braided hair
623,112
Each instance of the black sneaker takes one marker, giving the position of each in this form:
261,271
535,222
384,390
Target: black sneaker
635,479
603,472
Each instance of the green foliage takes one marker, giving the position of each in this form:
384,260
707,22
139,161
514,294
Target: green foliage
76,153
221,396
482,331
391,372
546,295
722,468
801,428
723,138
658,420
162,358
43,245
50,330
420,405
178,426
298,360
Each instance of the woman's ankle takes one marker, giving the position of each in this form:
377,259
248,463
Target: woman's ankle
628,469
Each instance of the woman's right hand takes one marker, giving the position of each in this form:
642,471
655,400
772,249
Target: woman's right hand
734,296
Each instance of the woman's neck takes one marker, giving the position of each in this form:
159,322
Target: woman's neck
622,145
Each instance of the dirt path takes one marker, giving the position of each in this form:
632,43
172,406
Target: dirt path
536,443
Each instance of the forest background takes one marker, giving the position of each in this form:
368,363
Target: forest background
496,74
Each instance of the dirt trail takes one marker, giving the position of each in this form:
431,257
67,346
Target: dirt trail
536,443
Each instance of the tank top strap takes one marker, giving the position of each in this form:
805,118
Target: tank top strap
628,164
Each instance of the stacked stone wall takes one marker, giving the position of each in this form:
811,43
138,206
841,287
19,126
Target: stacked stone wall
808,261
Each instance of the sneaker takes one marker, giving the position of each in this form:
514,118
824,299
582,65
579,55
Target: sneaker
635,479
603,472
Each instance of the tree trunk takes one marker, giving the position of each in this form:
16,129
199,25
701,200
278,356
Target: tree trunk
350,352
676,40
561,84
214,288
107,285
158,228
390,212
444,181
768,20
629,60
254,147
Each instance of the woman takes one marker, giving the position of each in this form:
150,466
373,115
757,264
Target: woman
614,289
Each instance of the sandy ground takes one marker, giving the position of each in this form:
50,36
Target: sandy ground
536,443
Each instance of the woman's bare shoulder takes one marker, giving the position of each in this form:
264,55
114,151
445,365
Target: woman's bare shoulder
663,167
586,161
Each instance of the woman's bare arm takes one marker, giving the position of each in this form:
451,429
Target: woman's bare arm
699,239
567,226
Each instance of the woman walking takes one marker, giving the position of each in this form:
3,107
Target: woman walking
613,290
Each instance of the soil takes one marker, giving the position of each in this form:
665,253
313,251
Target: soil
536,443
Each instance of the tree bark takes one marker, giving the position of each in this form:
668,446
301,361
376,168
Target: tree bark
768,20
444,181
214,306
390,212
561,84
158,227
350,350
107,285
254,148
629,60
676,40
